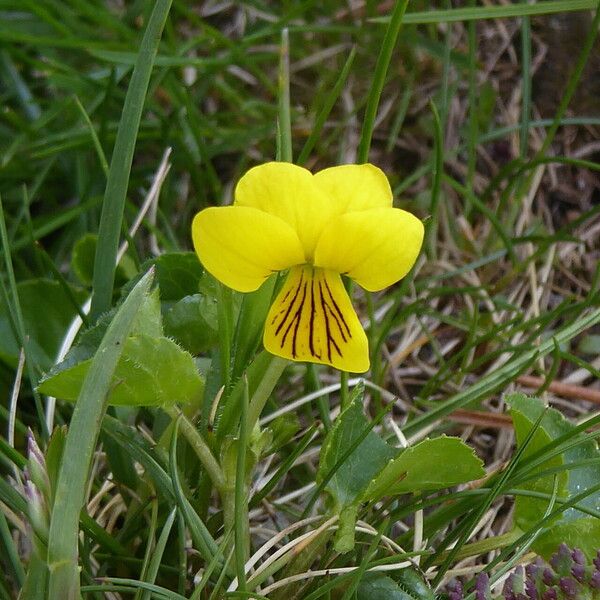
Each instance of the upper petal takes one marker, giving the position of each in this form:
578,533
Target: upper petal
355,187
374,247
288,192
242,246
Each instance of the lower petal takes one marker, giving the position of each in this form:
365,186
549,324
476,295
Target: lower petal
312,320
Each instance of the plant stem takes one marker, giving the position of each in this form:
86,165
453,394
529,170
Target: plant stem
263,390
199,446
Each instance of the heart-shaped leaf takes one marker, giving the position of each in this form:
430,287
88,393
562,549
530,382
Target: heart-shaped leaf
353,475
152,371
357,466
432,464
574,527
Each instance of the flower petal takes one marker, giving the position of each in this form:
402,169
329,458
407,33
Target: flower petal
242,246
312,320
374,247
288,192
355,187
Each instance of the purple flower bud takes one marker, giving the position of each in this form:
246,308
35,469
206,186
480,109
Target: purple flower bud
482,587
33,450
548,577
532,570
578,571
36,510
595,580
507,588
531,589
578,556
564,550
455,590
597,561
37,471
550,594
568,586
31,492
561,561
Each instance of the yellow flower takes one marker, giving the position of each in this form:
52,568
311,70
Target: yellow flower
339,221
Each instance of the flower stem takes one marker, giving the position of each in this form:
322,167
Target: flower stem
199,446
344,391
260,396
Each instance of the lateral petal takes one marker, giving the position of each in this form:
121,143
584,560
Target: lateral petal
289,192
374,247
312,320
242,246
355,187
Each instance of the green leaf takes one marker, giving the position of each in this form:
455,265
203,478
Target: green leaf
432,464
82,262
54,453
147,321
413,582
192,321
34,587
573,527
177,274
250,325
47,314
366,468
524,412
348,484
151,372
582,533
375,586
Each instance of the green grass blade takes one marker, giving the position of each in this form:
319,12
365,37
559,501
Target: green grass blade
132,585
506,373
547,7
327,106
15,308
158,552
471,521
241,525
94,136
79,448
437,172
383,62
10,552
284,120
12,78
525,86
120,165
203,540
285,466
473,125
